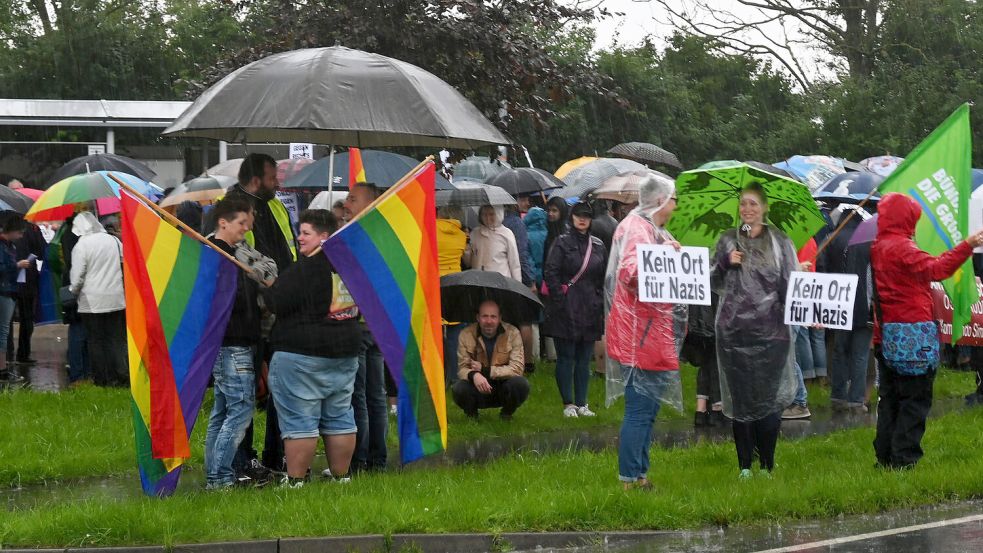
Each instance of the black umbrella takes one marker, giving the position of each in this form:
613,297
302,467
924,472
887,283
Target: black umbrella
525,180
646,153
14,200
462,293
103,162
473,195
336,95
773,170
479,168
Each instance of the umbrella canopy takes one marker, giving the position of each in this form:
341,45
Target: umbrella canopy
336,96
479,168
709,199
882,165
585,179
646,153
286,168
525,180
977,175
57,202
763,167
565,169
849,187
624,187
462,293
866,232
476,194
227,168
103,162
14,200
814,171
381,168
31,193
203,190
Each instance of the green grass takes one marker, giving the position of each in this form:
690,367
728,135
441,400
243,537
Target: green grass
816,477
87,431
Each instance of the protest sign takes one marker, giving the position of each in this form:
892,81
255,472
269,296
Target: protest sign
668,276
301,150
820,298
289,200
942,311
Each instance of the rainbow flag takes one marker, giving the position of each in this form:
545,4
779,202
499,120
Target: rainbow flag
179,295
387,257
356,171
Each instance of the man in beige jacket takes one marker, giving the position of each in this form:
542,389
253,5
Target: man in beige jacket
490,365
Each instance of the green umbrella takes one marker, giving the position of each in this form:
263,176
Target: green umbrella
709,200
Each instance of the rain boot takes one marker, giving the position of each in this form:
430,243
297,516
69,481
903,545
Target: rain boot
12,374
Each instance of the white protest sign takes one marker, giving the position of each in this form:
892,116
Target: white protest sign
301,149
668,276
821,298
97,149
976,217
289,200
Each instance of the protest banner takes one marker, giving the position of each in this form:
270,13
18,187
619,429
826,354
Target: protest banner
942,311
820,298
668,276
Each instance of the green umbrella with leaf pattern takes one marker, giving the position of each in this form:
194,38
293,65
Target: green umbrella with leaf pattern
709,201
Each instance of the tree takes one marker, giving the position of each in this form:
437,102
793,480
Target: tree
850,30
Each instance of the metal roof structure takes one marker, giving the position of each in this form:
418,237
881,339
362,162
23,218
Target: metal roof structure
90,113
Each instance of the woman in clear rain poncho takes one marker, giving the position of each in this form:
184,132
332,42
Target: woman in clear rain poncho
750,272
643,339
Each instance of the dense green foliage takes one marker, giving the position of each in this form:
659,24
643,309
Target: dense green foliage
563,97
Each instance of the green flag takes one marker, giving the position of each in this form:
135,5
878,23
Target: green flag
937,175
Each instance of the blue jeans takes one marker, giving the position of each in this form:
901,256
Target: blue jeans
235,394
801,394
6,315
369,401
573,369
810,351
636,428
848,376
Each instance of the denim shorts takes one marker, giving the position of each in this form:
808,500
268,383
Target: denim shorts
313,395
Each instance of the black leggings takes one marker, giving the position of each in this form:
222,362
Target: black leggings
761,436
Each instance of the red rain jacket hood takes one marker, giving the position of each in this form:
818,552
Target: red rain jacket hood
903,273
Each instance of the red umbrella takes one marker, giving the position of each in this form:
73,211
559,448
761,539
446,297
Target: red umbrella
31,193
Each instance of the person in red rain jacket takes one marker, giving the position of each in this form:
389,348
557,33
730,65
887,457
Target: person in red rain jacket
903,275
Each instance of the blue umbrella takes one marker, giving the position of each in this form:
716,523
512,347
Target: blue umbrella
812,170
849,187
381,168
977,178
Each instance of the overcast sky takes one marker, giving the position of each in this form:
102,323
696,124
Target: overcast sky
643,18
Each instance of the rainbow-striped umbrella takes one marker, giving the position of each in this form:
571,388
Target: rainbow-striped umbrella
57,201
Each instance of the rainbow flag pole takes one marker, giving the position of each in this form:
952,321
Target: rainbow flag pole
387,257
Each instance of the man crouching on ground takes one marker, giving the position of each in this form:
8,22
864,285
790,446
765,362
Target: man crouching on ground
490,363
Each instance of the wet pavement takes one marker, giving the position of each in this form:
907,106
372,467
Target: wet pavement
956,527
49,347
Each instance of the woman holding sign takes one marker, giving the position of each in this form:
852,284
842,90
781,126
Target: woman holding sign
574,277
643,338
751,270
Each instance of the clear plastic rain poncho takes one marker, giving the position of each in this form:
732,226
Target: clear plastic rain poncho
755,349
641,336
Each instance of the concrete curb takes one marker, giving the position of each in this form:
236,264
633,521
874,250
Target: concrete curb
376,543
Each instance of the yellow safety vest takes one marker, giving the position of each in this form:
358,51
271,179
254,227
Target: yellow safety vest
283,221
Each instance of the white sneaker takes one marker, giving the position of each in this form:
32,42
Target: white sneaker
570,411
393,410
326,473
584,411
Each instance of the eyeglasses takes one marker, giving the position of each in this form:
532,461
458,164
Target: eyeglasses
673,198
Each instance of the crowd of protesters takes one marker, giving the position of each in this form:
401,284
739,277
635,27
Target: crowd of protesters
295,344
